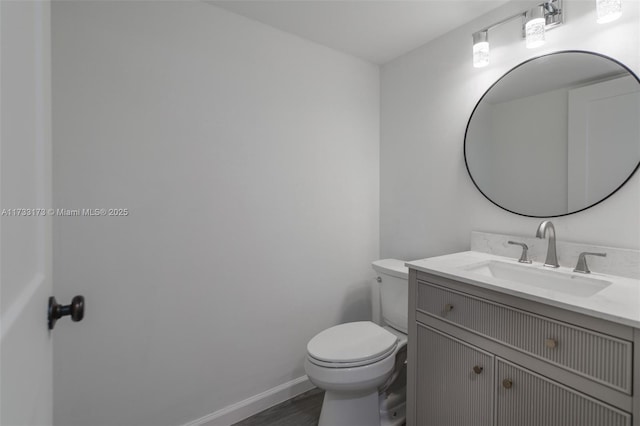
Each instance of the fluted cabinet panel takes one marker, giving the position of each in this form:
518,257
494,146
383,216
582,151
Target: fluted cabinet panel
596,356
532,400
449,391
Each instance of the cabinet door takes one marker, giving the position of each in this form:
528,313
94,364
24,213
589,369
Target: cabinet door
454,381
524,398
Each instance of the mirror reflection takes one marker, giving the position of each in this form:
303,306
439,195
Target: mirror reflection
555,135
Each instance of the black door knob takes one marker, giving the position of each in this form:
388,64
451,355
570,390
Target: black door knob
57,311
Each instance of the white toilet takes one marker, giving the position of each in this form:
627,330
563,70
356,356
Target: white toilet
358,364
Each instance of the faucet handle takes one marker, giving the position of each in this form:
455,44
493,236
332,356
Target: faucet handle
525,249
582,266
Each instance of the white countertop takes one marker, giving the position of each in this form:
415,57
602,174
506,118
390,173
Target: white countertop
619,302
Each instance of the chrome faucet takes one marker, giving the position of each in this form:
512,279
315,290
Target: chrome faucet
552,258
525,248
582,266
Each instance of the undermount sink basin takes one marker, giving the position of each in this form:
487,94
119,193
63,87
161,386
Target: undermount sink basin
535,276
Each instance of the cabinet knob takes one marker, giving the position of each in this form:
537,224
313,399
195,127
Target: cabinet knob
56,311
477,369
507,383
448,307
551,343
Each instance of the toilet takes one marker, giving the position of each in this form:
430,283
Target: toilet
361,365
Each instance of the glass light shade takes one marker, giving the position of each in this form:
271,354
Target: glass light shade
481,49
534,27
608,10
481,54
534,31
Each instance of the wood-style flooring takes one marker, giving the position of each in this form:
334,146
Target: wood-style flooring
302,410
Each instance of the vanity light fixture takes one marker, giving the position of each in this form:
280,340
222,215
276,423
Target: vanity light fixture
608,10
535,22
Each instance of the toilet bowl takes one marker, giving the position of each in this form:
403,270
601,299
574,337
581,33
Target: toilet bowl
356,362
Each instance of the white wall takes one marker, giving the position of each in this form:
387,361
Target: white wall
520,155
429,205
249,161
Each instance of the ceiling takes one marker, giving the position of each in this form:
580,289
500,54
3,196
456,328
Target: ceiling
553,72
374,30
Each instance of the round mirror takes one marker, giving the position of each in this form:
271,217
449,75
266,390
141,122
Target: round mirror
555,135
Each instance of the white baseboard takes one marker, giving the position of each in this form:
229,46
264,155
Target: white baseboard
257,403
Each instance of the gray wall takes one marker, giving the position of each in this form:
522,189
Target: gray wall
248,159
429,205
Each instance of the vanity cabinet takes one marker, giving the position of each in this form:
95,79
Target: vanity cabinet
528,399
481,357
455,375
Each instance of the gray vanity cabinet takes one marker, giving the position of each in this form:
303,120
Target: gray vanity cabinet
527,399
457,375
480,357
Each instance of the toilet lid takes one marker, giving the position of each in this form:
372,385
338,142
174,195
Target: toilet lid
352,342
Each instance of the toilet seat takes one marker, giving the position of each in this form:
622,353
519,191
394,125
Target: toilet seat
352,344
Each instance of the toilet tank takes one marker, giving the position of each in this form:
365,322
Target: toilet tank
393,277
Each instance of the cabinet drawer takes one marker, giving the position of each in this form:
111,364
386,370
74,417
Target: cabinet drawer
596,356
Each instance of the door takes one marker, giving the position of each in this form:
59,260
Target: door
454,381
527,399
598,114
25,224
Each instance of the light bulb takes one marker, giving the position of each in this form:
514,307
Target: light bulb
481,49
608,10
